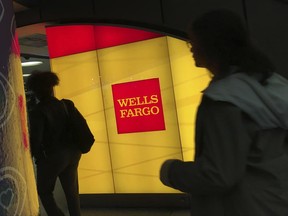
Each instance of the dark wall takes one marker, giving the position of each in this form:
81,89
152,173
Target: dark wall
267,19
268,24
177,14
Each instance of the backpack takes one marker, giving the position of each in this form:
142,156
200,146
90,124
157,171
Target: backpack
78,127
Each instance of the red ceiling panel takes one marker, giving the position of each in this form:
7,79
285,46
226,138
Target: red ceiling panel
72,39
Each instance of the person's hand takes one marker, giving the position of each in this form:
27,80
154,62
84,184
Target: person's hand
165,172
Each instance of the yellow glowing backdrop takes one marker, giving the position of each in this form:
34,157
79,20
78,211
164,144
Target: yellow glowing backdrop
129,163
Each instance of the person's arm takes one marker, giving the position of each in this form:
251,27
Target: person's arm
221,164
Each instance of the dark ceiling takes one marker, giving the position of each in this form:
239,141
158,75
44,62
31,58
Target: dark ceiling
266,21
28,3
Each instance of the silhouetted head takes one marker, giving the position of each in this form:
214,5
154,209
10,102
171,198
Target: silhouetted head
220,39
42,83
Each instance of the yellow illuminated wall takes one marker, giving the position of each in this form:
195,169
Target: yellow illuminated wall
130,163
188,83
80,82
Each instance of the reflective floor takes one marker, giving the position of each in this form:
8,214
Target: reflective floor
135,212
129,212
61,201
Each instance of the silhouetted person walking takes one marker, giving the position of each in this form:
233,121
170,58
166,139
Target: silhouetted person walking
51,146
241,161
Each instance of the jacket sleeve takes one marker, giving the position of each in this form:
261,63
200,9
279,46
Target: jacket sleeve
37,125
224,143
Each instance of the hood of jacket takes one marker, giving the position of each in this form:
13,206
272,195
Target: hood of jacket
265,104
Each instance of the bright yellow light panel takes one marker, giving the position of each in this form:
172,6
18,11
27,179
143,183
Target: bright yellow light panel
80,82
188,82
130,163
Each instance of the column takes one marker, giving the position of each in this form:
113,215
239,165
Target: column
18,195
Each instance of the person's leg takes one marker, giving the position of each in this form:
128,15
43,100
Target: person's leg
69,181
46,179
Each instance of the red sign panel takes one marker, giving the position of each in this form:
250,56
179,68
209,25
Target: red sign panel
138,106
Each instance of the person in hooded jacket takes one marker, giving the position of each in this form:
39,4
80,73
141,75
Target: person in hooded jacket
51,145
241,162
